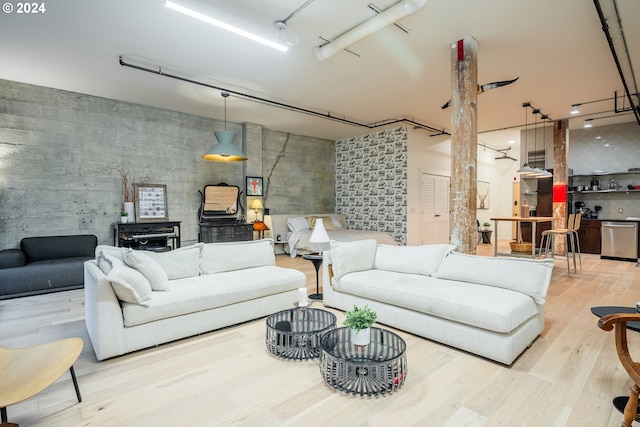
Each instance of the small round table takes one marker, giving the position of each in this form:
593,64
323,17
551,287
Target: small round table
295,333
375,369
316,259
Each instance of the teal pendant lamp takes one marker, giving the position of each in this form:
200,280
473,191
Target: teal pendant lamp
225,150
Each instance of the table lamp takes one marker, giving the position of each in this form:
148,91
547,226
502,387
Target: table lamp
257,205
319,235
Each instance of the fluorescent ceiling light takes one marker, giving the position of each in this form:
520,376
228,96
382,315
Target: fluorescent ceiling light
209,20
387,17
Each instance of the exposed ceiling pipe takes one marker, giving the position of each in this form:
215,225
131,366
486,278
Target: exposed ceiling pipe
605,29
282,105
387,17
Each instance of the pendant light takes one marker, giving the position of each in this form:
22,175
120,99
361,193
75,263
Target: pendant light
225,150
537,172
545,172
525,169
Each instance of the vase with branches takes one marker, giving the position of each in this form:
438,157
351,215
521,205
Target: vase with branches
129,180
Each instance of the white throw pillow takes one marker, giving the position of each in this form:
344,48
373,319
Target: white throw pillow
348,257
106,262
219,257
423,259
527,276
129,285
145,265
297,224
181,262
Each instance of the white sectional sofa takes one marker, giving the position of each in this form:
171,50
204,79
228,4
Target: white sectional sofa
139,299
492,307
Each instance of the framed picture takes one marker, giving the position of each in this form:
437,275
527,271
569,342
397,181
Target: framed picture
254,186
483,195
151,203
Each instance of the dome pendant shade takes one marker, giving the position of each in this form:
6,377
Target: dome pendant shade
225,150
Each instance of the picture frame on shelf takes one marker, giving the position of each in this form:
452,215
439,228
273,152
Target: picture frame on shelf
151,202
254,186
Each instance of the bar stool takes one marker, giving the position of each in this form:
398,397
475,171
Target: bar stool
547,243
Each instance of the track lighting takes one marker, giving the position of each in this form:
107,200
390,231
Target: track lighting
575,109
587,123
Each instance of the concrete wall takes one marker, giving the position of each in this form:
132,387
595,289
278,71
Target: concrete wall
56,149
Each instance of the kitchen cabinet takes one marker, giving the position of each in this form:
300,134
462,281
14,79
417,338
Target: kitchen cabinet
589,236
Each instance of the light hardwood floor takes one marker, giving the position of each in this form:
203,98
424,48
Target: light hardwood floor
227,377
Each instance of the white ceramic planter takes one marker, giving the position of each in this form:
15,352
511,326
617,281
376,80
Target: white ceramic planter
124,219
129,208
361,337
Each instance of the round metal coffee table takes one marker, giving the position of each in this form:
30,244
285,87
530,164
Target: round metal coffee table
295,333
374,369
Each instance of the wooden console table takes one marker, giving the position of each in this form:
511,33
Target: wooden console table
534,220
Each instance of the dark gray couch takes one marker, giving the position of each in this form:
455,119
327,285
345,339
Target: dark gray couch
45,264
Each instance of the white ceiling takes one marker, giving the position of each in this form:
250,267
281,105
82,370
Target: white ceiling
556,48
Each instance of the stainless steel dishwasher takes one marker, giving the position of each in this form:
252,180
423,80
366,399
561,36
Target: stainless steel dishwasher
619,240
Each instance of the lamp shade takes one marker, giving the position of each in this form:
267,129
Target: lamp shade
257,204
319,234
225,150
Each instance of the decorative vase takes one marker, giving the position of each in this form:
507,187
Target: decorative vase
130,210
361,337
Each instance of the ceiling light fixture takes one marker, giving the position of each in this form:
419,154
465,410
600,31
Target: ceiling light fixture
544,172
575,109
209,20
379,21
587,123
225,150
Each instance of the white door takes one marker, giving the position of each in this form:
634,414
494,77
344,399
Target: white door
435,209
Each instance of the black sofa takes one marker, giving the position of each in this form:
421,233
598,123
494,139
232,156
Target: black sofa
45,264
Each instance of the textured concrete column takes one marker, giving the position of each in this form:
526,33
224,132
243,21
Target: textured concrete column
560,179
464,136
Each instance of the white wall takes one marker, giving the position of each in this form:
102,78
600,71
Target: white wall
427,154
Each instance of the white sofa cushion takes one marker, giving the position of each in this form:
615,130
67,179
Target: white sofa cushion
528,276
114,251
128,284
193,294
150,269
221,257
491,308
353,256
424,259
181,262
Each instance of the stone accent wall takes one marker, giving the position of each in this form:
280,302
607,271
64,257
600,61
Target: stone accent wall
371,182
56,148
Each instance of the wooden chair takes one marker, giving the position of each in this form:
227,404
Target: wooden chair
27,371
619,322
547,243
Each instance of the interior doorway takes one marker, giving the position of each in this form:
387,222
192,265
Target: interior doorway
435,208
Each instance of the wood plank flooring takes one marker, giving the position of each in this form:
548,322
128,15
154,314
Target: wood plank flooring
227,377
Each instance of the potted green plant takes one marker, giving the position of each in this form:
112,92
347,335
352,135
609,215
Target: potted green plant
359,321
124,217
486,225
